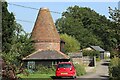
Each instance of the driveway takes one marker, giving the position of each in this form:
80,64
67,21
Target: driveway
100,72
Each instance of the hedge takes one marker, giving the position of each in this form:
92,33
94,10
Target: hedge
114,69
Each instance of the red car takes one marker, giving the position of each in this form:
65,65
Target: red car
65,69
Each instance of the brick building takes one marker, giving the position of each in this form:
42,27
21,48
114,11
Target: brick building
46,41
44,33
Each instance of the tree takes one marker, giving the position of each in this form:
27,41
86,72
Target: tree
71,44
8,27
115,16
16,42
114,68
91,53
115,62
81,23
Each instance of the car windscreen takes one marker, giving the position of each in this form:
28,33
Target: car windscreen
64,65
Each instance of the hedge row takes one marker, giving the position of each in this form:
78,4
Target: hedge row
114,69
80,69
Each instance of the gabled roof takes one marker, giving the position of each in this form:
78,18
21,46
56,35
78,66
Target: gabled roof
75,54
46,55
97,48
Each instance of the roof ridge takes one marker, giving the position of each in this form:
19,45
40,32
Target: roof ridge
66,56
39,52
32,54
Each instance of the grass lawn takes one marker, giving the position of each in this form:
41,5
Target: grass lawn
36,75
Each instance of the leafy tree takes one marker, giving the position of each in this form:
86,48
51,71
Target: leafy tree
91,53
115,16
71,44
8,27
21,46
90,28
74,23
16,42
114,69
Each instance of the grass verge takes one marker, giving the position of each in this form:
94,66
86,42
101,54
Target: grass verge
36,75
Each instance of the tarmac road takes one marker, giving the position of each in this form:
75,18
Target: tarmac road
100,73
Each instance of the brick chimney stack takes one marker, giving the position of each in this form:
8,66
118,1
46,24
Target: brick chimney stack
44,34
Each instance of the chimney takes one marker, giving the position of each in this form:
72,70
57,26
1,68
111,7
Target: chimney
44,34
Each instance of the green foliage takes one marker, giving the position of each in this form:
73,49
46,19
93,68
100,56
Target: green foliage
115,30
36,77
97,59
106,57
8,27
114,69
115,15
26,72
74,22
91,53
88,27
16,43
44,70
80,69
71,44
20,46
114,53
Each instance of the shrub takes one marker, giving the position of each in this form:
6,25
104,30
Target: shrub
106,57
114,69
97,59
71,44
80,69
91,53
44,70
26,72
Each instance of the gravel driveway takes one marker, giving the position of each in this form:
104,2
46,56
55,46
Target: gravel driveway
100,72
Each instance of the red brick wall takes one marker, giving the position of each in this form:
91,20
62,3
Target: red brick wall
44,34
47,45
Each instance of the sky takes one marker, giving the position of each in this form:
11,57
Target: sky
30,15
119,5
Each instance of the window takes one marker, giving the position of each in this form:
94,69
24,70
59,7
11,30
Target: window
31,65
64,65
